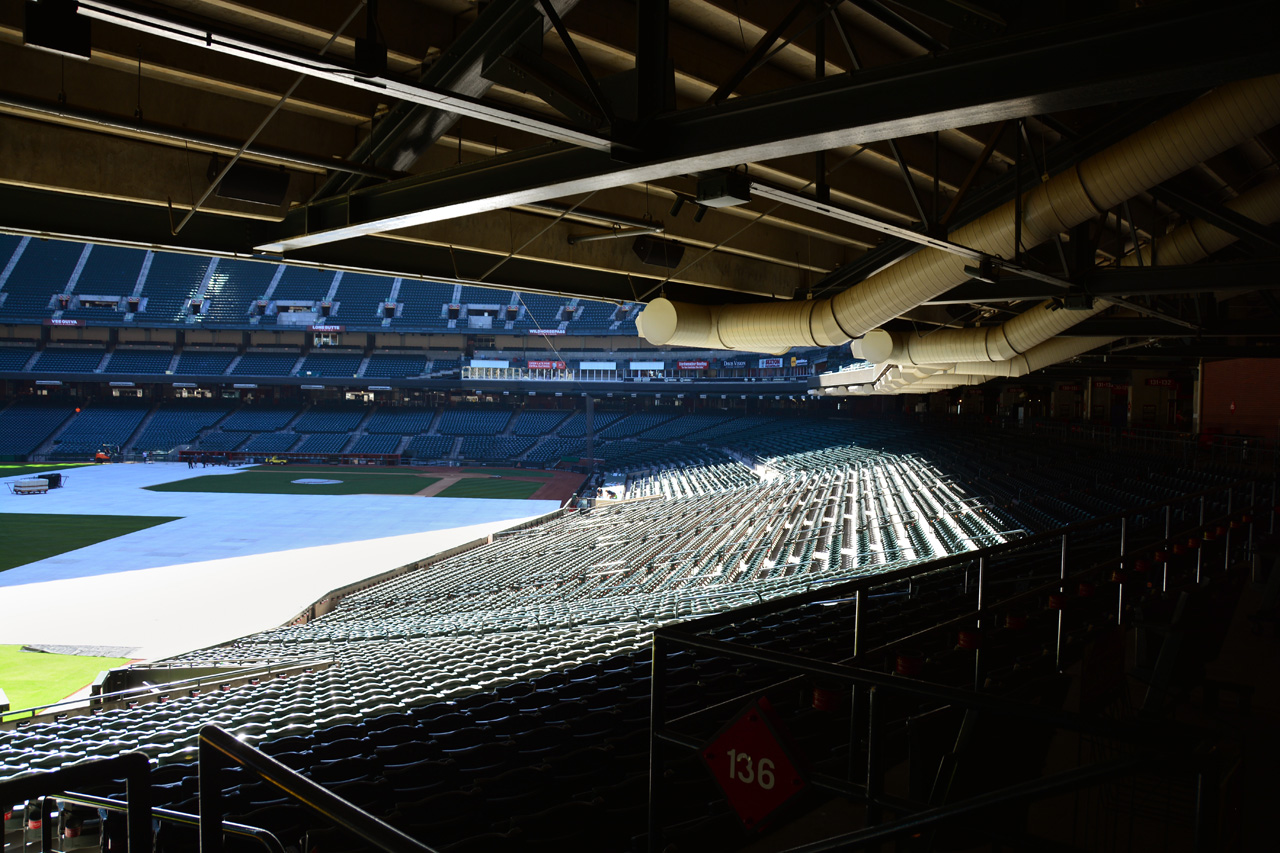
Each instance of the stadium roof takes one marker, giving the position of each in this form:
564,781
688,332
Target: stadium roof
856,162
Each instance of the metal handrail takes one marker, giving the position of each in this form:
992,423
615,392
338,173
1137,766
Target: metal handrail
219,749
263,836
151,689
134,766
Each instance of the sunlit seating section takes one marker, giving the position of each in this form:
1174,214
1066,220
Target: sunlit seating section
171,282
234,288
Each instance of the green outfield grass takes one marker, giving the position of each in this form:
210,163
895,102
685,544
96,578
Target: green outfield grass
34,678
475,488
264,480
17,470
511,472
26,538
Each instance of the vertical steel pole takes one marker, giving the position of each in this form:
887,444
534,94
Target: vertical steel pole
1062,588
1248,546
1226,543
210,798
874,771
1168,546
657,718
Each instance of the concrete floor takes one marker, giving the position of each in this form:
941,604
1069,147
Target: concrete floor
233,564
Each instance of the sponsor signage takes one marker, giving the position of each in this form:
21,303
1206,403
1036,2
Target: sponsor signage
312,387
120,384
1162,382
546,332
771,362
489,362
799,362
185,385
328,328
547,365
736,363
245,385
599,365
648,365
691,365
379,387
58,321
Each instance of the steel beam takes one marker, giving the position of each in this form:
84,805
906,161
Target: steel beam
1242,227
1147,52
206,36
1125,281
410,129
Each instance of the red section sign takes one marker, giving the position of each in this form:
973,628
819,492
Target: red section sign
1069,386
751,764
1162,382
547,365
691,365
1102,383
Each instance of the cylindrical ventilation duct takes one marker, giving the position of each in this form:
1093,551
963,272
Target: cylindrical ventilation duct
1175,143
1186,244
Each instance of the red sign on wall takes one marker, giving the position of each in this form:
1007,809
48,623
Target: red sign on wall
547,365
1069,386
753,767
1162,382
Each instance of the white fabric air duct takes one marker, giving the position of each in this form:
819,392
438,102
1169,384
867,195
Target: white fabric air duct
1186,244
1206,127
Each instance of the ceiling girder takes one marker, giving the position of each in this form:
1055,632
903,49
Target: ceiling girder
208,36
410,129
1147,52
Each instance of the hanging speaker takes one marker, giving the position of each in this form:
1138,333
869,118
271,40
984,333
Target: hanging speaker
660,253
247,182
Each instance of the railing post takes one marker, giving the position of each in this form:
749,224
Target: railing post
1226,543
210,797
873,756
138,792
857,622
1168,531
1062,588
657,719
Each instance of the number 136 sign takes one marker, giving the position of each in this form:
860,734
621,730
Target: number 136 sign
752,765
